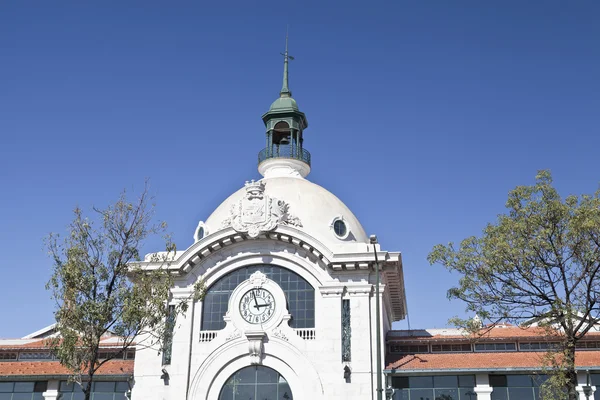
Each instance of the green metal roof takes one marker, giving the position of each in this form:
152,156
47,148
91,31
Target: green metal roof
284,104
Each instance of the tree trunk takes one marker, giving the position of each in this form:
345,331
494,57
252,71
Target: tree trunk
570,372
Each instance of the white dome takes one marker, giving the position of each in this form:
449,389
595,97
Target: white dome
315,207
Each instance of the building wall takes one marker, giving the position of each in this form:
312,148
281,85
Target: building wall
203,361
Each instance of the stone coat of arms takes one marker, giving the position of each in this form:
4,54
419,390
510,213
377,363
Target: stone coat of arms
257,212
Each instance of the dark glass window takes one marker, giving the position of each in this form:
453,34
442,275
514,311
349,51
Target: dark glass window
22,390
300,296
516,387
100,391
457,348
339,227
495,347
539,345
410,349
256,382
436,387
4,356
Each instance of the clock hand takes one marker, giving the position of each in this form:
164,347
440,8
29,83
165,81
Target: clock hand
263,305
255,301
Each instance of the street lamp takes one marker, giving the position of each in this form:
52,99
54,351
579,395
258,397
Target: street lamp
373,240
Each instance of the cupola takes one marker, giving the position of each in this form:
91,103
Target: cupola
284,154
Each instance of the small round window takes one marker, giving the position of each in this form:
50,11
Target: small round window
340,229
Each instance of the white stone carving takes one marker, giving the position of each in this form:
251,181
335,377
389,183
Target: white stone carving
233,335
257,212
278,333
255,346
258,279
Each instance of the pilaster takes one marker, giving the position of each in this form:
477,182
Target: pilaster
483,388
51,392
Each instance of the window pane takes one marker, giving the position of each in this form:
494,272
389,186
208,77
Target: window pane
420,382
6,387
103,396
5,396
285,392
245,392
400,382
401,395
66,387
425,394
22,396
466,381
104,387
445,381
518,381
521,393
245,375
266,375
498,380
299,294
122,387
500,393
226,393
266,392
26,387
446,394
40,386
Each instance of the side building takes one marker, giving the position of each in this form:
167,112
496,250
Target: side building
504,363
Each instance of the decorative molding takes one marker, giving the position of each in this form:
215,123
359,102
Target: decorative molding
331,291
359,290
278,333
257,279
255,346
233,335
257,212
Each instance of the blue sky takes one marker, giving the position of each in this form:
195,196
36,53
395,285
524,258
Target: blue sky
423,115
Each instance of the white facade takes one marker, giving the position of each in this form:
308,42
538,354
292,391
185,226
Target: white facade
295,233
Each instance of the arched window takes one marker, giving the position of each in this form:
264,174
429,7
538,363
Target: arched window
300,296
256,382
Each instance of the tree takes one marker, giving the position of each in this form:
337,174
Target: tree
100,289
539,262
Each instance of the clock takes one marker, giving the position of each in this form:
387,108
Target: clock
257,306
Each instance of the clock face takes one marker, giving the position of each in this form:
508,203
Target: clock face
257,306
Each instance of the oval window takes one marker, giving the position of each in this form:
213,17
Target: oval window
339,227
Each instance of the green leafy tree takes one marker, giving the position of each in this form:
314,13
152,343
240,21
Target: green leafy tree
539,262
100,289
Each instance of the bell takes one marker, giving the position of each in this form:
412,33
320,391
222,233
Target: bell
284,140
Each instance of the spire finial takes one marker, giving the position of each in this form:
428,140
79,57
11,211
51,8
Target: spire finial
285,90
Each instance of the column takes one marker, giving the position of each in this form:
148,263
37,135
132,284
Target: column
483,388
51,392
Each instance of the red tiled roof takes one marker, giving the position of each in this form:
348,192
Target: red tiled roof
43,344
511,332
492,360
40,368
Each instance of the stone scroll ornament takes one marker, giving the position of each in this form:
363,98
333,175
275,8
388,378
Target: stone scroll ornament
258,212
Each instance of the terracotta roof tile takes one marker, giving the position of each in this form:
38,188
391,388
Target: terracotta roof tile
511,332
453,361
40,368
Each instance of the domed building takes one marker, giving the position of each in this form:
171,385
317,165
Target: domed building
290,307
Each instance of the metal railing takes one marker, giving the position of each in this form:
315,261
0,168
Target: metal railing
284,151
207,336
307,333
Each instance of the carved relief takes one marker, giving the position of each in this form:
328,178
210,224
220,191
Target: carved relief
257,279
233,335
255,346
257,212
278,333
